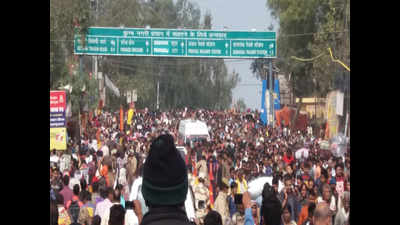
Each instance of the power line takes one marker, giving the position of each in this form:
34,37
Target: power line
305,34
333,59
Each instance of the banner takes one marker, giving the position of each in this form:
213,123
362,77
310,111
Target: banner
58,138
58,131
57,108
263,113
130,115
128,97
277,95
134,95
331,116
339,103
110,85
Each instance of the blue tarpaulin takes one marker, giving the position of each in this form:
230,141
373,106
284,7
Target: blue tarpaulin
277,96
263,113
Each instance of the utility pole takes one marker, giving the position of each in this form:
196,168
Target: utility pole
95,59
158,93
79,108
271,97
158,84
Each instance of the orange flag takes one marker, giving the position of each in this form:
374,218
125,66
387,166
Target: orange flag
104,173
98,133
194,168
121,119
210,188
210,172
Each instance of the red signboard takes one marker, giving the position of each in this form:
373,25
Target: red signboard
57,108
57,99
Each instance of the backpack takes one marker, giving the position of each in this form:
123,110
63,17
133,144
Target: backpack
73,211
271,205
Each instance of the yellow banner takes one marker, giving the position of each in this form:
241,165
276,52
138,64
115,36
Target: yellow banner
130,115
332,118
58,138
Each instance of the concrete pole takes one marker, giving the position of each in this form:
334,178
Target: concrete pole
271,91
158,93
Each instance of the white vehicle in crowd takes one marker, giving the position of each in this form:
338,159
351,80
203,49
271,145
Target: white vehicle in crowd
190,131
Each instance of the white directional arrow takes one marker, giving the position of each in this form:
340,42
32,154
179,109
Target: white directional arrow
226,45
147,43
271,45
183,44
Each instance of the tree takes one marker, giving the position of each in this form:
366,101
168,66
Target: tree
193,82
305,31
65,16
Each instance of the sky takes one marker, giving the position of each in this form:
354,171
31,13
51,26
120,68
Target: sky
240,15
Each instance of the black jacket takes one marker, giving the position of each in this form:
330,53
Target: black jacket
168,215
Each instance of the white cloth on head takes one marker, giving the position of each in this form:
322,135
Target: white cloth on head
131,218
54,159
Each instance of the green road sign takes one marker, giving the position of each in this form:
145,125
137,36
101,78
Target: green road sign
176,43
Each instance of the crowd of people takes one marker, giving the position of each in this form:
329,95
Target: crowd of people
91,181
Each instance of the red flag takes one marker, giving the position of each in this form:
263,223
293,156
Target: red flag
210,191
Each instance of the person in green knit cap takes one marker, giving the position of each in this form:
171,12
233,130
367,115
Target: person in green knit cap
165,184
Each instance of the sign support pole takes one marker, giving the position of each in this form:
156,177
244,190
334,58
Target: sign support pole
271,97
158,93
79,112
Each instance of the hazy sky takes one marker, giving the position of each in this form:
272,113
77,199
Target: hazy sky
240,15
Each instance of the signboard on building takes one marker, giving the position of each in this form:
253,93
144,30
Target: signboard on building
58,132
